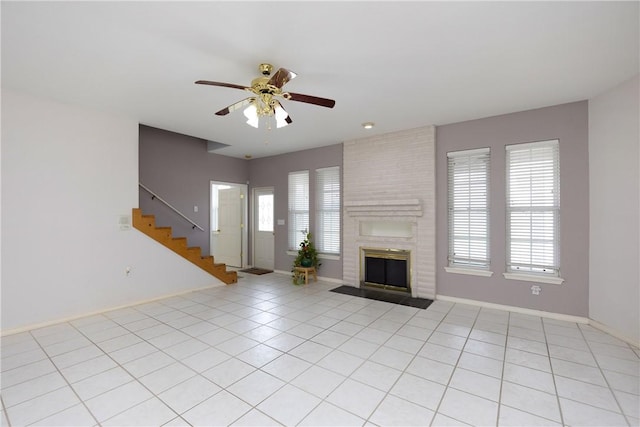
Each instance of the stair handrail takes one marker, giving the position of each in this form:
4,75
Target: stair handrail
155,196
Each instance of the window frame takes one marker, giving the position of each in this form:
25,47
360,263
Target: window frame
473,198
298,217
332,207
532,196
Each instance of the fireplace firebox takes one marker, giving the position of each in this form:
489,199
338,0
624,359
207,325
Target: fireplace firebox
386,268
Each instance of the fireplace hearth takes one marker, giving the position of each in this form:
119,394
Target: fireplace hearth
386,269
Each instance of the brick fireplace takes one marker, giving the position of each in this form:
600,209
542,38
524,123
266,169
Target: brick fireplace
389,204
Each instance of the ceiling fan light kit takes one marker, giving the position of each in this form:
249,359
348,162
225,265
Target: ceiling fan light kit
258,108
264,103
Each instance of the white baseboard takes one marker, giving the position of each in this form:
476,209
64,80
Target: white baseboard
288,273
331,280
106,310
614,333
320,278
547,314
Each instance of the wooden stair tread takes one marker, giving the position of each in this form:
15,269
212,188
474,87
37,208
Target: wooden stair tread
146,224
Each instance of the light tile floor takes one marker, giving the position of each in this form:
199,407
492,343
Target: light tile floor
264,352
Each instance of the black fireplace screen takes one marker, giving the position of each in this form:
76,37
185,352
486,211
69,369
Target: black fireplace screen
386,268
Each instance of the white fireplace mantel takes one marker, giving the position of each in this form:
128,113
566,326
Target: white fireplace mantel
383,208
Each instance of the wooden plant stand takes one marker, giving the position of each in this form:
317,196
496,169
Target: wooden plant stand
306,271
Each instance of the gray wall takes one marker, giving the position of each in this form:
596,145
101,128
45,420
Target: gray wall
273,172
569,124
179,169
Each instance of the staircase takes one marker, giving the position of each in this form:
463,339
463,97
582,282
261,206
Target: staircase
147,225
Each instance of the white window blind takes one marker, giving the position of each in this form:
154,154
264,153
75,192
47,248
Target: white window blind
298,208
327,236
468,205
533,208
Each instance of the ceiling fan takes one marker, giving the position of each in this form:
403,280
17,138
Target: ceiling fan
263,102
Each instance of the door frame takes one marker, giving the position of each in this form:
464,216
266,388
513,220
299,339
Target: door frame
253,218
245,214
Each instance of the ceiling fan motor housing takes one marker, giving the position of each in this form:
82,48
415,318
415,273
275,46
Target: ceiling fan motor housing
265,69
261,85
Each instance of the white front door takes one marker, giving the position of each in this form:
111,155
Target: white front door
228,248
263,240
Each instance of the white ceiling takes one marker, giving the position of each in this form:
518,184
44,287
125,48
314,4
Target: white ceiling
399,64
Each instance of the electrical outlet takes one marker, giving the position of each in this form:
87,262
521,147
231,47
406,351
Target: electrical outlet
535,290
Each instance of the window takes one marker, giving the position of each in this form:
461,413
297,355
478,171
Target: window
533,208
265,212
327,236
468,205
298,207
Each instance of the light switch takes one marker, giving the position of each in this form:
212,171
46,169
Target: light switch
281,222
195,209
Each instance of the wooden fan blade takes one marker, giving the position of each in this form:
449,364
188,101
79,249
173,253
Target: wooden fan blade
233,107
231,85
281,77
287,119
323,102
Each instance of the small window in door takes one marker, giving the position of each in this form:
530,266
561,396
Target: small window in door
265,212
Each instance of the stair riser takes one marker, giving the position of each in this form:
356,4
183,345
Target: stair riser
163,235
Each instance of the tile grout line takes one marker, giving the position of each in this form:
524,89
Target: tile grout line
4,410
553,375
68,384
446,387
135,379
504,364
387,393
226,388
367,419
293,300
222,388
611,389
82,333
322,400
364,360
503,380
347,377
539,370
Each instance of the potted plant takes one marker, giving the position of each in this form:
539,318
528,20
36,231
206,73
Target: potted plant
307,257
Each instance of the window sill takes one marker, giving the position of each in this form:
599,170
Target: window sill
469,271
334,257
533,278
